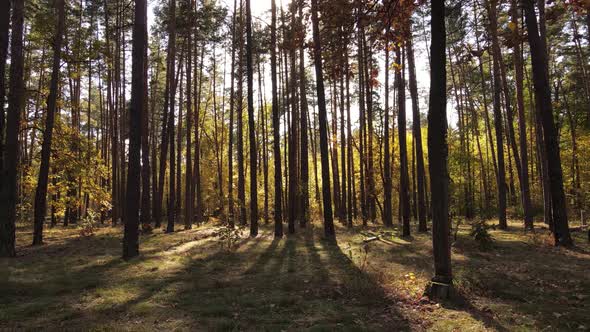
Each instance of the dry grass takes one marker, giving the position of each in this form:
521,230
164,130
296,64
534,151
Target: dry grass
186,281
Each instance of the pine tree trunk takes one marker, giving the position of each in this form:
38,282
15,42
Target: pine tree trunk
329,231
188,192
251,127
387,201
417,131
41,191
4,27
276,124
171,131
501,176
304,153
138,84
16,103
403,154
438,153
543,96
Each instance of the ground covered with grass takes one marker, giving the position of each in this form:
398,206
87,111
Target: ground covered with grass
371,279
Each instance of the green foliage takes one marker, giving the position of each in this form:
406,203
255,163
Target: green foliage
480,233
87,226
229,236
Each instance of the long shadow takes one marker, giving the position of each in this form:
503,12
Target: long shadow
352,288
527,281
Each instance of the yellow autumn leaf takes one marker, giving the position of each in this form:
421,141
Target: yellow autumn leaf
512,26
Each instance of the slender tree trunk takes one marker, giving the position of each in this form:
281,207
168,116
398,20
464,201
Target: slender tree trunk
138,104
41,191
329,231
304,171
188,194
438,153
240,115
501,176
518,69
417,131
172,99
16,103
276,124
387,182
230,161
4,27
543,96
403,154
251,127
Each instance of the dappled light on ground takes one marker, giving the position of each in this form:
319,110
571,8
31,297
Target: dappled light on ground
189,281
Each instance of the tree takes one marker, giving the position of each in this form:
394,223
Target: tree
251,126
42,182
172,98
519,79
4,27
438,153
16,103
417,132
561,231
501,176
387,182
138,84
278,217
329,231
403,154
188,201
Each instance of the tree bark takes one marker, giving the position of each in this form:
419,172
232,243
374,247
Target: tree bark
276,124
543,97
438,153
42,182
329,231
417,131
16,103
138,84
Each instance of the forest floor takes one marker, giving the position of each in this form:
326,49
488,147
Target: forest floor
188,280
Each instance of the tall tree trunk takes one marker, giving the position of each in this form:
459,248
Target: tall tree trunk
4,27
417,131
543,97
172,99
350,169
276,124
403,150
438,153
304,171
41,191
146,207
251,127
387,205
188,194
518,69
230,161
138,104
240,115
329,231
16,103
501,176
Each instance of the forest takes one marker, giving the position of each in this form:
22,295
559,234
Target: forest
324,165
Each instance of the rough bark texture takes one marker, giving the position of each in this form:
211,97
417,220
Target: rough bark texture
41,191
329,231
438,152
276,124
543,97
16,103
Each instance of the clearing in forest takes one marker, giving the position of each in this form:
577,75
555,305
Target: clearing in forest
189,281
